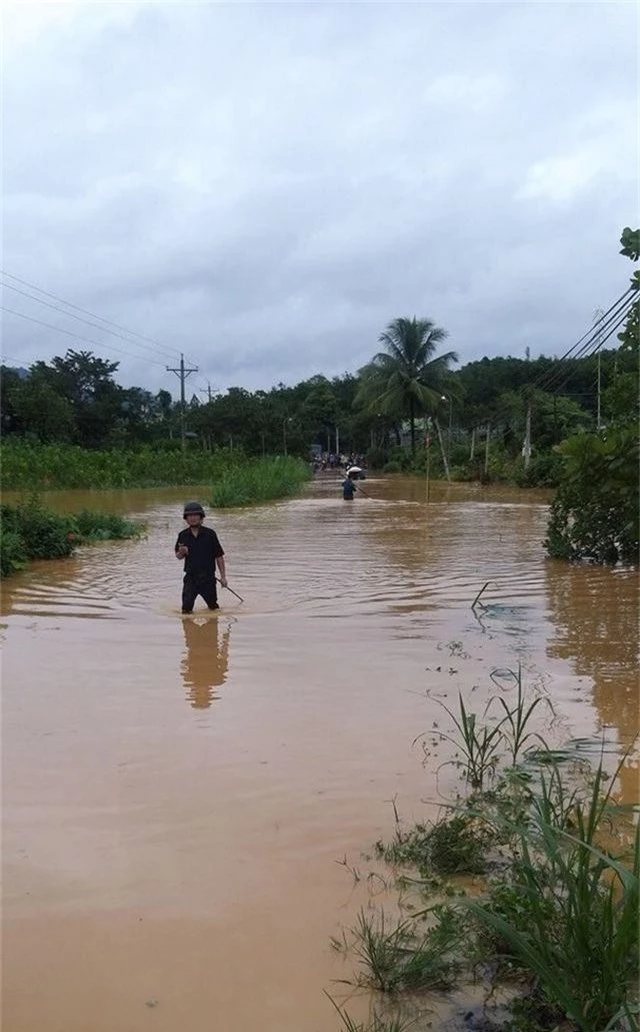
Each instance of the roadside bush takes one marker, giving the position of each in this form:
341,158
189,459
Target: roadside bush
104,526
259,480
596,512
44,534
544,470
30,531
12,553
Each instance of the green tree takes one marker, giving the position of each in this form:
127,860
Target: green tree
596,513
319,412
407,378
86,382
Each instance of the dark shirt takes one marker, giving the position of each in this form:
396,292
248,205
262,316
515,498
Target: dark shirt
204,549
348,488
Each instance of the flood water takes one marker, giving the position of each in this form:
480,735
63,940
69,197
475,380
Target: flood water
177,791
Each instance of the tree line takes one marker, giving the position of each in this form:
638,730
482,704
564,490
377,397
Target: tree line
407,395
75,399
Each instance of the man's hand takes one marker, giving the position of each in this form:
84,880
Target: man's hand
182,551
223,582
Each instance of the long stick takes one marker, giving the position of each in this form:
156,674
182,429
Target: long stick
363,492
231,590
476,600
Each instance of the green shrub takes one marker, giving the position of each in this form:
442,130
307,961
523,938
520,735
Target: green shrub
12,553
544,470
259,480
104,526
392,467
596,512
45,534
458,845
29,531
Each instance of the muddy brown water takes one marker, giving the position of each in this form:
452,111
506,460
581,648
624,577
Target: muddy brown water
176,792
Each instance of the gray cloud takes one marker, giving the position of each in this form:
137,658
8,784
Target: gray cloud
265,186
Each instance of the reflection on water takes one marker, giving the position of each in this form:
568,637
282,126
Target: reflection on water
594,624
205,662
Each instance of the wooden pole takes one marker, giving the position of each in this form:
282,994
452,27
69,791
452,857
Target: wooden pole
444,454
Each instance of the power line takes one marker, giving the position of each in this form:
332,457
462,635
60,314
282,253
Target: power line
596,341
599,341
71,315
76,336
69,304
613,317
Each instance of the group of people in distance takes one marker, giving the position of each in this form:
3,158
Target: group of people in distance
328,460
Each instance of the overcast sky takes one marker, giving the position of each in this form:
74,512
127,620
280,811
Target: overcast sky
265,186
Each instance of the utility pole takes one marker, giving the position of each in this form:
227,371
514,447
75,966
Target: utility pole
599,420
526,447
182,375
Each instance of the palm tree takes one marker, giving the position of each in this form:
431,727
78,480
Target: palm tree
407,377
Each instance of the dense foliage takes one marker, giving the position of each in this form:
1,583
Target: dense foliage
27,464
31,531
596,512
259,480
341,414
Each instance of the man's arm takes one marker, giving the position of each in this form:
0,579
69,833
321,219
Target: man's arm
180,549
222,570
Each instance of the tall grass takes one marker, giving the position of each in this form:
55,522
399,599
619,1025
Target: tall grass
571,915
51,466
236,479
259,480
405,956
556,904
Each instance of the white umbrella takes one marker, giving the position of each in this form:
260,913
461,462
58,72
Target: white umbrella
353,469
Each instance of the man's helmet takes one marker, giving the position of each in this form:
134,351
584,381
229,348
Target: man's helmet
193,509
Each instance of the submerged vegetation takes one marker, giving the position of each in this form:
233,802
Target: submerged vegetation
552,919
31,531
259,480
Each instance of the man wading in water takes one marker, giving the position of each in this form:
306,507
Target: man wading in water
201,551
348,487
